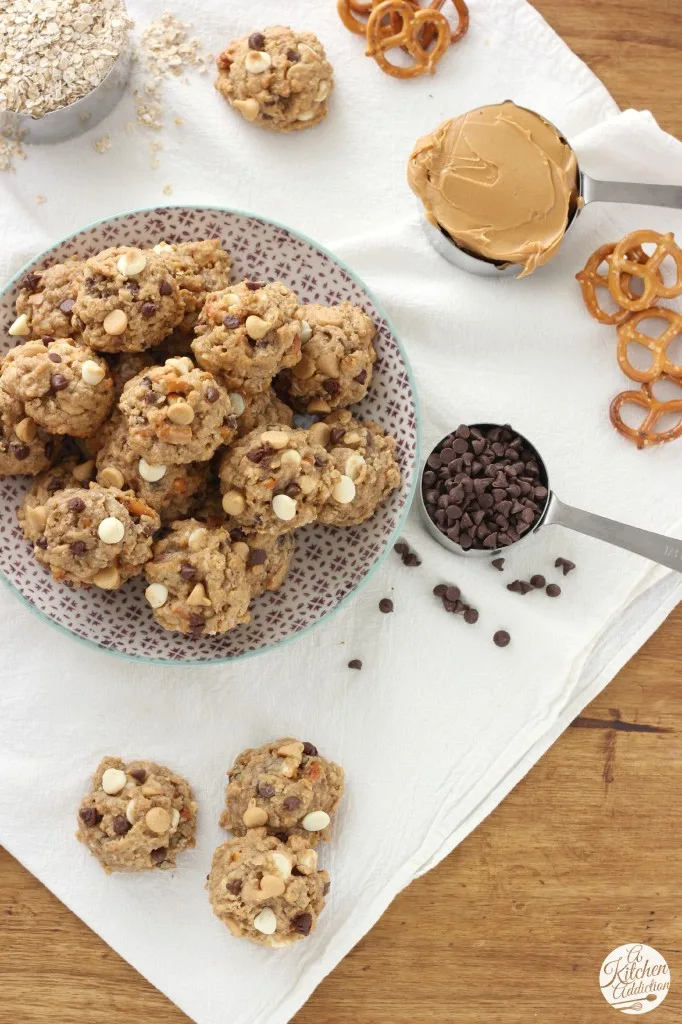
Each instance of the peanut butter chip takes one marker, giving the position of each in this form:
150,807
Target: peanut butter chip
158,820
36,518
181,412
107,579
131,263
254,816
20,327
257,328
308,484
271,886
113,781
294,749
26,430
233,503
84,471
111,477
198,597
319,434
242,550
275,438
330,316
115,322
249,109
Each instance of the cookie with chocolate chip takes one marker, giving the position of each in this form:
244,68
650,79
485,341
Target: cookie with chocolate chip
47,297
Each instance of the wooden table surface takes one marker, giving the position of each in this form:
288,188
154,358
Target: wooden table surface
583,856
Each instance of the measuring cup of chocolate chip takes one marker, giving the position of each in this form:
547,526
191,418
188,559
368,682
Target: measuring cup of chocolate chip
500,186
485,488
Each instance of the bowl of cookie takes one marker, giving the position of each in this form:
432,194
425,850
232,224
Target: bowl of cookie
208,434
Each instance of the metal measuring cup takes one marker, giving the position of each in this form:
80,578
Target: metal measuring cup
588,190
654,546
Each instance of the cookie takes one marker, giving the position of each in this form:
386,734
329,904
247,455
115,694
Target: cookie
267,891
177,413
138,816
199,268
197,583
285,786
95,537
46,299
268,558
69,472
64,386
128,301
247,334
337,356
25,448
277,78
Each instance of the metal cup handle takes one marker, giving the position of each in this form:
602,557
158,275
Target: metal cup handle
594,190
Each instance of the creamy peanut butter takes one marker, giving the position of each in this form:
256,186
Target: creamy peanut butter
500,181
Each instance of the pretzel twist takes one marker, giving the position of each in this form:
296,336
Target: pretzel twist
645,435
411,24
624,262
661,366
590,279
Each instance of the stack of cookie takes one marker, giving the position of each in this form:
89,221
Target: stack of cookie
153,401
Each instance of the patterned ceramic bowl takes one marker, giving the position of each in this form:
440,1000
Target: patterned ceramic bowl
330,564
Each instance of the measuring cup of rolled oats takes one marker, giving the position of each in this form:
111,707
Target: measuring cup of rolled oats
64,65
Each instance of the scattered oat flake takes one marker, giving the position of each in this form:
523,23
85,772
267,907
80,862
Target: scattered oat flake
103,144
10,150
167,190
178,121
40,198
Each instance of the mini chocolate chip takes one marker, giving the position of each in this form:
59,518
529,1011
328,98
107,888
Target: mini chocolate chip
303,923
30,282
78,548
148,310
75,504
331,386
498,563
234,886
293,56
165,288
256,41
565,565
266,790
196,621
212,395
361,377
139,774
89,816
310,749
259,455
151,397
282,836
257,557
253,286
231,321
320,460
327,887
231,422
121,825
401,548
47,339
291,803
67,305
501,638
355,663
19,451
553,590
132,285
411,560
471,616
58,382
336,435
187,571
158,856
538,581
385,605
292,490
54,357
237,533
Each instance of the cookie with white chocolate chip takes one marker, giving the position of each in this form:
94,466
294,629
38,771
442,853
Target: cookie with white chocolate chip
96,536
138,816
46,299
65,387
275,480
199,269
337,356
277,79
25,448
70,472
265,890
177,413
197,582
285,786
128,300
247,334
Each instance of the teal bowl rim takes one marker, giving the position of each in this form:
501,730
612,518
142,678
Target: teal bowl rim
232,659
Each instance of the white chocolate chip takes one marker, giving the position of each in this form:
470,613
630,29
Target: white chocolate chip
319,433
158,820
107,579
152,474
265,922
238,404
233,503
306,861
156,594
284,507
180,365
115,322
198,596
162,247
20,327
354,465
130,812
84,471
249,109
197,539
271,886
316,821
308,484
344,490
290,458
282,863
254,816
258,61
113,781
323,92
36,518
26,430
181,413
307,115
275,438
256,327
231,299
92,373
131,263
111,477
111,530
175,818
306,332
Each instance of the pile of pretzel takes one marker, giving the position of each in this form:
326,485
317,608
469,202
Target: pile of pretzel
626,261
422,32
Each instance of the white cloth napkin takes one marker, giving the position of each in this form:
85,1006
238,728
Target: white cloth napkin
440,724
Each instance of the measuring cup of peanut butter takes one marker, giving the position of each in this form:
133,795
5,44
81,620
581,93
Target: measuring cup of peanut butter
500,186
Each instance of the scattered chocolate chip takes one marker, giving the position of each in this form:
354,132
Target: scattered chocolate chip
515,587
139,774
148,310
266,790
525,587
165,288
256,41
78,548
501,638
411,560
471,616
158,856
440,589
67,306
291,803
58,382
538,581
452,593
310,749
303,923
231,321
355,663
187,571
553,590
257,557
121,825
565,565
30,281
293,56
498,563
385,605
54,357
401,548
89,816
253,286
234,886
75,504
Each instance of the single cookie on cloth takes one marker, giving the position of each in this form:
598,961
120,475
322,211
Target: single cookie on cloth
96,536
337,356
64,386
197,582
138,816
275,480
266,890
277,79
70,472
247,334
365,457
46,299
177,413
199,269
285,786
261,410
25,448
128,300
